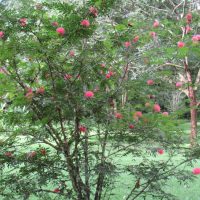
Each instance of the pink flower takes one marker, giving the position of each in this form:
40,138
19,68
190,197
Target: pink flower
156,108
60,31
165,113
111,73
31,154
3,70
153,34
71,53
131,126
127,44
89,94
189,18
150,82
93,11
108,75
138,114
57,190
40,90
29,94
187,29
103,65
85,23
82,128
1,34
118,115
196,38
180,44
160,151
156,24
196,171
43,152
67,76
136,38
179,84
23,22
55,24
8,154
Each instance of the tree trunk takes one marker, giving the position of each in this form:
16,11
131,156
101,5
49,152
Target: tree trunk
193,104
193,117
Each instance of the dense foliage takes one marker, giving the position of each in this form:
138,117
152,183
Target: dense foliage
71,105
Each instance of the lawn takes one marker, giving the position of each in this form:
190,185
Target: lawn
125,182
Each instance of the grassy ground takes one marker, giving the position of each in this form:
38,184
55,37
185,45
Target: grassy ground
189,191
125,182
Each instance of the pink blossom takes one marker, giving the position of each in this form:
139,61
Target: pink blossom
55,24
179,84
131,126
43,152
150,82
23,22
165,113
56,190
160,151
196,38
93,11
8,154
196,171
29,94
111,73
118,115
31,154
71,53
156,108
1,34
60,31
189,18
138,114
85,23
180,44
187,29
103,65
153,34
67,76
127,44
3,70
156,24
89,94
136,38
108,75
40,90
82,128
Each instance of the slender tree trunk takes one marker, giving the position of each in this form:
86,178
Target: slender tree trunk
193,105
87,175
193,117
101,176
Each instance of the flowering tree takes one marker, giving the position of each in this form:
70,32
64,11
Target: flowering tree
68,112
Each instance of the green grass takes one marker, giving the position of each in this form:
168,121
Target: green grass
189,191
125,182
